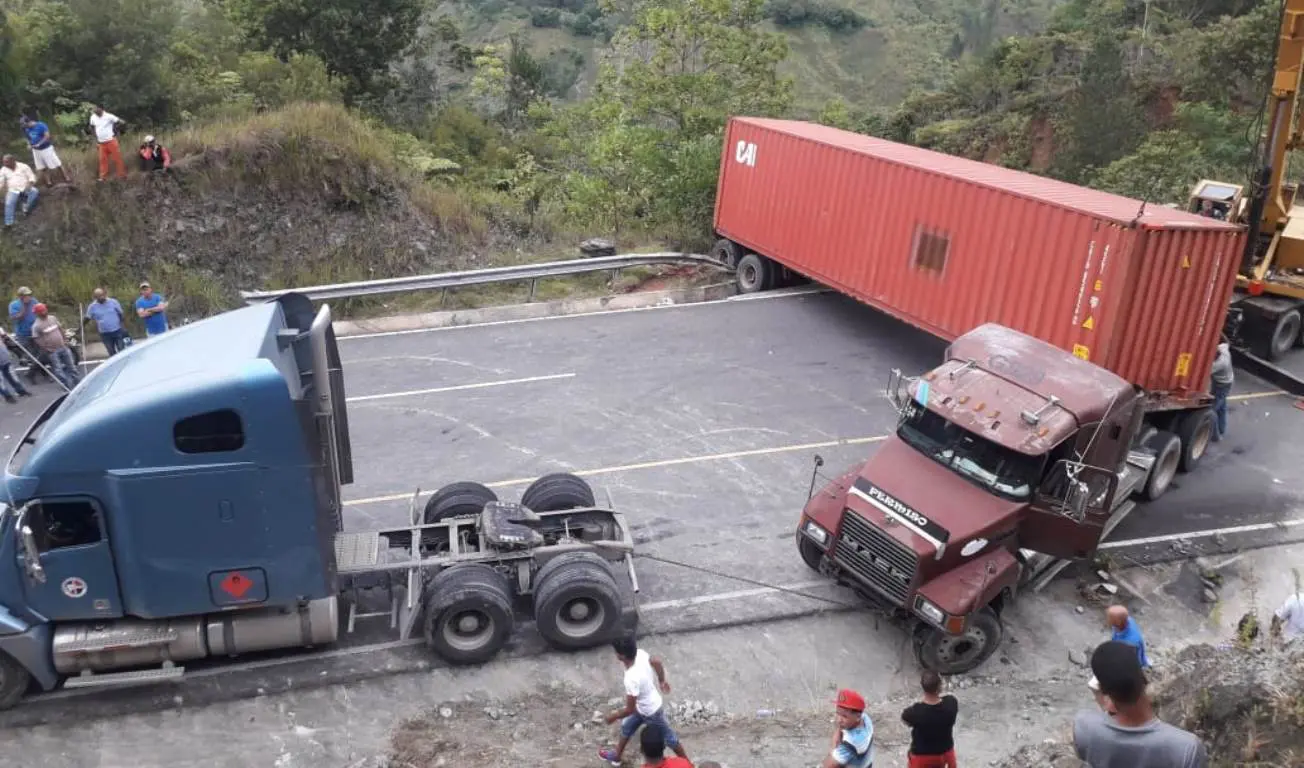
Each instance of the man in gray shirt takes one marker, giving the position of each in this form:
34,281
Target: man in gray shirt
1133,736
1221,378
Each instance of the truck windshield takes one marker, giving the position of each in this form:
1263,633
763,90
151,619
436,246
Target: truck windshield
1006,473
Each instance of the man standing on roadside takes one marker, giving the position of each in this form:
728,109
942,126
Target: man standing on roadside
106,128
107,314
645,681
853,739
1133,736
152,308
18,183
1222,378
49,337
653,743
22,311
932,725
1126,631
7,376
44,158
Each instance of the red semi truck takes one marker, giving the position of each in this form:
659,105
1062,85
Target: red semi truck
1083,328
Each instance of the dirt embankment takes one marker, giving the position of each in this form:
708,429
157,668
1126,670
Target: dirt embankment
1247,703
306,195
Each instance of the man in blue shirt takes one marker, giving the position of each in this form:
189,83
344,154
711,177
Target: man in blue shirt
22,311
107,314
853,741
1126,631
152,308
44,158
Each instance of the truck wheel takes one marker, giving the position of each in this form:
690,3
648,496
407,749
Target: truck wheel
14,679
552,493
1195,430
1285,334
956,654
1168,456
577,603
726,252
457,500
468,613
810,552
755,273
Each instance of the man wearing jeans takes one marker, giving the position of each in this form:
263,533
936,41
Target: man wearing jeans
1222,379
107,314
18,182
49,337
152,308
8,381
645,681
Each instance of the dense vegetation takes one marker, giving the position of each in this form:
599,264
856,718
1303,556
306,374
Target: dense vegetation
513,125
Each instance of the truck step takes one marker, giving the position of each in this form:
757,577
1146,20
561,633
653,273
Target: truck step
134,677
356,551
120,637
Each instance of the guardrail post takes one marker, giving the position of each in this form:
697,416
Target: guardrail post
615,275
533,284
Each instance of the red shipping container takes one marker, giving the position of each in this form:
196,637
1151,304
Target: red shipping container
947,244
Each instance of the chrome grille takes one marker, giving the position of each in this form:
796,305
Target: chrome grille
877,558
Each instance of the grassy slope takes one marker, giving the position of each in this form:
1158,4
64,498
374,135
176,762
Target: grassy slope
305,195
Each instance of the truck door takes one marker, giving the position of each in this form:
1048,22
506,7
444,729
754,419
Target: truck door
72,547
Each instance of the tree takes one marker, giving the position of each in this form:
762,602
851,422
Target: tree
356,39
1106,121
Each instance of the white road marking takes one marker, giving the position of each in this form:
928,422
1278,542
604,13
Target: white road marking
1250,528
652,465
460,387
749,297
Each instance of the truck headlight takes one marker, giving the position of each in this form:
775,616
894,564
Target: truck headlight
930,611
817,533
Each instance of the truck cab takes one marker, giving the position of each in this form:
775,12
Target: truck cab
1009,448
181,502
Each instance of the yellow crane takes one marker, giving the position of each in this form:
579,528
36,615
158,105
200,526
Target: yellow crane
1269,298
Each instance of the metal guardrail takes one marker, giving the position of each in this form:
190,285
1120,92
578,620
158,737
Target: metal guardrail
520,272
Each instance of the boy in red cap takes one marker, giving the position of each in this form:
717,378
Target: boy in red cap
853,741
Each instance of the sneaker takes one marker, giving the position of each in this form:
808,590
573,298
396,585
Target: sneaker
10,399
609,755
24,393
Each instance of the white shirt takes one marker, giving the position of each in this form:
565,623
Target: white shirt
641,683
1291,614
18,179
103,125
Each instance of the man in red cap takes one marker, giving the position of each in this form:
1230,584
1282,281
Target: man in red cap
853,741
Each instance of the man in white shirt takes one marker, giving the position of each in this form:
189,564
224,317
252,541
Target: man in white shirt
645,681
17,181
105,125
1288,621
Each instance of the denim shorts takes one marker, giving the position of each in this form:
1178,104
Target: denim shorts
629,726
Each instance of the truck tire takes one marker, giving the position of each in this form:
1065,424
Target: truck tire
726,252
1285,334
956,654
1195,430
577,603
553,493
468,613
14,679
1168,457
755,273
456,500
810,552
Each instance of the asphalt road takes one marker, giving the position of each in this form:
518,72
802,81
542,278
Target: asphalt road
701,421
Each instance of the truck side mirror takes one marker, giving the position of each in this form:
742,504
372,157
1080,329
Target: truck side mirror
1078,499
31,556
898,389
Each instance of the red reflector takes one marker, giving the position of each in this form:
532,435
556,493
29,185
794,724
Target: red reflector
1255,287
955,624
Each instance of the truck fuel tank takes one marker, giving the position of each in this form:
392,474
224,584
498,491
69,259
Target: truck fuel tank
104,646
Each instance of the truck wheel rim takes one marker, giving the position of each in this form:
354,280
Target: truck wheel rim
581,617
1200,440
1167,469
468,630
749,275
958,649
1286,333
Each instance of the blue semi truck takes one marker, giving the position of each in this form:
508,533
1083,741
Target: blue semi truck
184,502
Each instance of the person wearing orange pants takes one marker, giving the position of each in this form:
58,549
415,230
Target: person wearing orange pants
106,128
